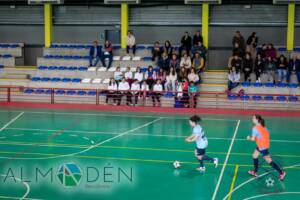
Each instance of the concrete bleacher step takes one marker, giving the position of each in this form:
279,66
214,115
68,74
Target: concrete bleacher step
13,76
214,80
215,74
212,87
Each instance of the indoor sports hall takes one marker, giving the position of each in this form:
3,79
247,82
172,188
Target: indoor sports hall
140,99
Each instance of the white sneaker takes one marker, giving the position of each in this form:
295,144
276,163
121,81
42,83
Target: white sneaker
201,169
216,162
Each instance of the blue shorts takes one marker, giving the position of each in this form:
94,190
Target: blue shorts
264,152
200,152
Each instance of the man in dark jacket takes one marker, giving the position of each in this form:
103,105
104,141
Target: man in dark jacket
186,44
95,54
197,38
294,68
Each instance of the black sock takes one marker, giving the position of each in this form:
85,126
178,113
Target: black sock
275,166
201,162
205,157
255,163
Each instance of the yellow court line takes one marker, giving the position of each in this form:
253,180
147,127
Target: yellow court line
130,148
233,181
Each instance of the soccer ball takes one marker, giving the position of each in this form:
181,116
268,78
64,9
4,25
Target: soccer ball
176,164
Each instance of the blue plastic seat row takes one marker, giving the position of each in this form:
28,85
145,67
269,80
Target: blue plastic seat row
60,92
266,98
6,56
144,69
56,79
66,57
62,68
269,85
71,46
9,45
1,66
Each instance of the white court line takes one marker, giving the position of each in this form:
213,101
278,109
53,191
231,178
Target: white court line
89,148
141,134
11,121
271,194
252,179
226,160
118,115
24,183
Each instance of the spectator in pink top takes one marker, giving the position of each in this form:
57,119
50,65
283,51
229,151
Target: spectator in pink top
271,52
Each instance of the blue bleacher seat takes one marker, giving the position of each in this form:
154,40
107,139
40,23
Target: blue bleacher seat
245,97
140,47
72,68
52,68
281,49
66,80
293,98
150,47
7,56
281,85
269,85
56,79
62,68
28,91
257,97
42,67
116,47
81,92
257,84
178,104
269,98
60,92
35,79
71,92
246,84
76,80
40,91
232,97
169,95
292,85
82,68
1,66
45,79
92,93
49,91
144,69
297,49
147,58
281,98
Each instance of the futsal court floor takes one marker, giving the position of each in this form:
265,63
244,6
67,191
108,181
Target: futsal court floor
110,155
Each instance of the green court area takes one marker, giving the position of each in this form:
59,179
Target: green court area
58,154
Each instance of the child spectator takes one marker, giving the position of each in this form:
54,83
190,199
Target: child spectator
150,76
156,52
139,75
130,43
294,68
144,89
108,53
193,76
171,80
157,92
193,90
247,67
270,68
282,66
259,67
128,75
118,75
233,78
123,90
185,94
135,90
185,62
112,91
161,75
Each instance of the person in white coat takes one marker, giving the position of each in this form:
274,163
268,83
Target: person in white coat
124,90
112,91
157,92
135,90
171,80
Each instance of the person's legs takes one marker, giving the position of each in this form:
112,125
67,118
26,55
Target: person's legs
96,61
255,163
133,49
280,75
103,61
91,60
129,100
127,49
298,77
110,59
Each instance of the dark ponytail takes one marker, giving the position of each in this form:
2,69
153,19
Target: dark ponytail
260,120
195,119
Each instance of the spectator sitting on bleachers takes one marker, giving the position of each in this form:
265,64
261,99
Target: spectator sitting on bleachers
139,75
144,89
123,90
118,75
282,66
168,49
294,68
269,69
198,63
271,52
186,44
171,80
236,62
95,54
161,75
135,90
156,52
197,38
247,67
150,77
239,40
193,76
164,62
233,78
128,75
156,93
174,63
112,91
185,62
185,94
252,42
259,67
237,50
199,48
262,51
193,90
108,53
130,43
182,75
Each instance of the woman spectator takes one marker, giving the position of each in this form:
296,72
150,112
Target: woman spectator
139,75
236,62
182,75
156,52
233,78
198,63
108,53
270,68
161,75
239,39
262,51
171,80
201,49
186,44
164,62
128,75
174,63
150,77
112,91
294,68
271,52
185,62
157,92
237,50
247,67
123,90
193,76
185,93
193,90
197,38
118,75
252,44
259,67
144,89
135,91
282,66
130,43
168,49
